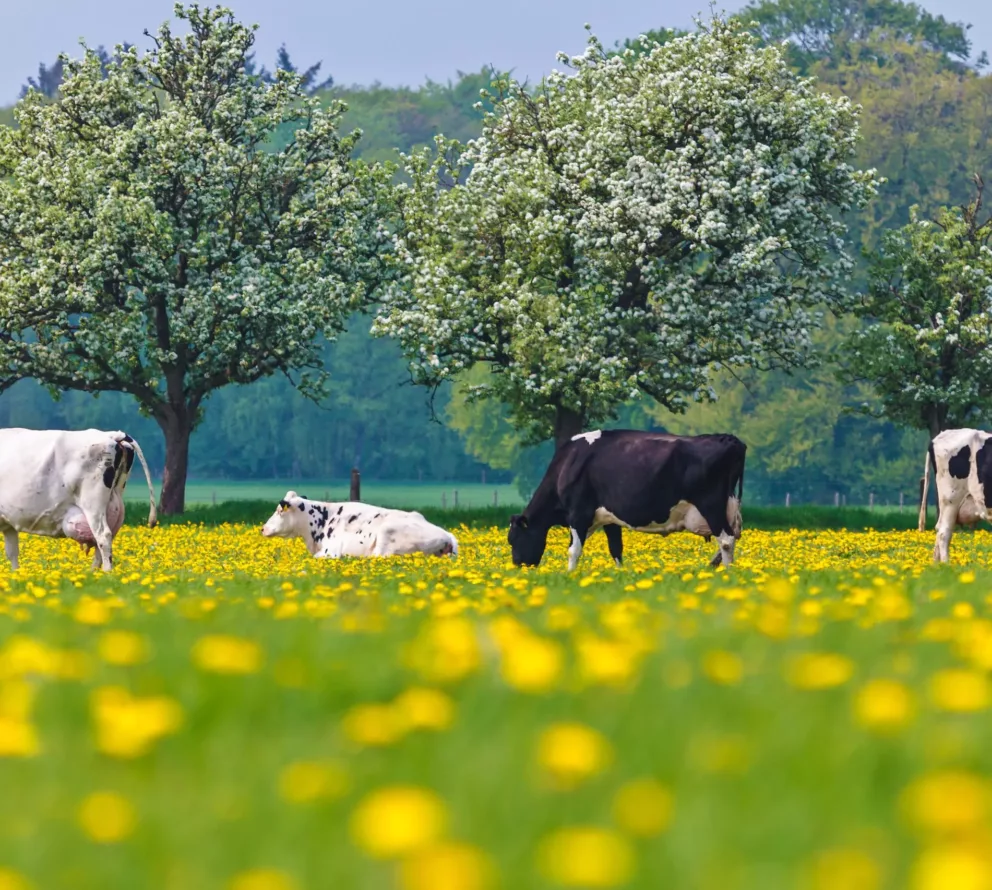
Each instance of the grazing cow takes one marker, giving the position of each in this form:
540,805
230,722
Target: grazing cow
962,472
66,484
331,530
650,482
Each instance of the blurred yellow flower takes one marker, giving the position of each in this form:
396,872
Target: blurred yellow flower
11,880
220,654
308,781
958,689
122,647
643,807
262,879
107,817
397,821
374,724
18,736
445,650
819,670
569,753
127,726
447,866
952,867
947,802
883,705
423,708
531,663
845,868
724,668
586,856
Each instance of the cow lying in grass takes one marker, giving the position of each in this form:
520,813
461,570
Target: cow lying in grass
331,530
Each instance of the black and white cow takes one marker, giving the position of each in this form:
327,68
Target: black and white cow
962,472
650,482
66,484
331,530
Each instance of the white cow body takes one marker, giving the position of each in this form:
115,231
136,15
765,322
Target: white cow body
962,467
331,530
66,484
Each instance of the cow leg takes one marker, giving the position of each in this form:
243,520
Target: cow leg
945,528
726,552
10,546
614,540
575,548
103,537
715,516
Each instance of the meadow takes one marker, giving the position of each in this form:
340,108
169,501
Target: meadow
224,712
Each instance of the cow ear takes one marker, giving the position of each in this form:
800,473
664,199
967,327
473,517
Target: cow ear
518,521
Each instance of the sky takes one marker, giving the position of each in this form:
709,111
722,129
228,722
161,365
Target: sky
394,42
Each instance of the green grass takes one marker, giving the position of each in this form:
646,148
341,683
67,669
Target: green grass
387,494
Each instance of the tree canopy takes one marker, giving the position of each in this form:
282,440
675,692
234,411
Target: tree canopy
153,243
626,227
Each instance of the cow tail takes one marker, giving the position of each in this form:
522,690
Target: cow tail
922,525
152,513
740,486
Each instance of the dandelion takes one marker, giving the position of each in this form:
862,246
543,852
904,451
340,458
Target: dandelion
643,807
262,879
220,654
571,752
883,706
586,856
398,821
959,689
447,866
308,781
106,817
819,670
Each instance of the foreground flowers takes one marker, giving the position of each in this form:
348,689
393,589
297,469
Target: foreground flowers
239,716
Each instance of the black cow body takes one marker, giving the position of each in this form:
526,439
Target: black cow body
651,482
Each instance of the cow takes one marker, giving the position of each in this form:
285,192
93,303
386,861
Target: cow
334,529
67,484
649,482
962,472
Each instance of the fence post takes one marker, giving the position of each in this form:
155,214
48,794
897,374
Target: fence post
213,498
871,500
900,501
495,497
356,485
843,500
483,477
456,498
836,498
788,498
444,500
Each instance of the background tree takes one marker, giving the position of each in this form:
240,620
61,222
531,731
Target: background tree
623,230
829,30
152,245
927,351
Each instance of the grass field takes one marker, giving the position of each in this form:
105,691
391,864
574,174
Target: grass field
225,712
392,494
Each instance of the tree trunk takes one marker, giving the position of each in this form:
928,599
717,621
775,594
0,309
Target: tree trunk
568,423
177,430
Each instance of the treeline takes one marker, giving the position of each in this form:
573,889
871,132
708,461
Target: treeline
926,125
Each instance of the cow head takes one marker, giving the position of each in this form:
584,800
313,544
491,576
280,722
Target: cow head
289,520
527,542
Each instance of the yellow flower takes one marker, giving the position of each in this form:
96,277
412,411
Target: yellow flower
725,668
11,880
397,821
958,689
643,807
307,781
531,663
220,654
947,802
571,752
374,724
819,670
425,708
952,867
883,705
586,856
845,869
262,879
122,647
127,726
106,817
447,866
91,611
445,650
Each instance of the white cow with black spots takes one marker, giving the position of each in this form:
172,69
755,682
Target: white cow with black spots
962,470
335,529
66,484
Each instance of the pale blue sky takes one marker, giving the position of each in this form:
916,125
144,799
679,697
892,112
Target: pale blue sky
392,41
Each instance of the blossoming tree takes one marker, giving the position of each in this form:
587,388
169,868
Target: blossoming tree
174,224
626,227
